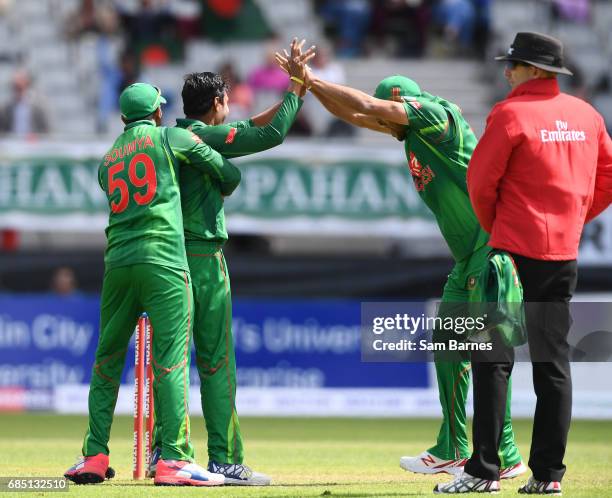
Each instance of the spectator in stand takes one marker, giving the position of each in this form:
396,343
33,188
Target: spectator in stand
108,70
91,17
268,77
240,94
98,17
24,114
350,20
9,239
150,30
578,11
188,19
234,20
116,73
63,282
405,22
325,67
151,22
482,27
456,19
129,69
269,82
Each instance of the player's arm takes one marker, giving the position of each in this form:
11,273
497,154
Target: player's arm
354,101
602,196
357,101
295,64
236,141
487,166
189,149
353,118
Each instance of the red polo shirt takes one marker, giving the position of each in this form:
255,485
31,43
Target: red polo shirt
541,170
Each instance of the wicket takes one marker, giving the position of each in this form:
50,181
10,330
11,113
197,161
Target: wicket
143,395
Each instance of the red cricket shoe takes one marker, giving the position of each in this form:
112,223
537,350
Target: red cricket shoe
90,470
183,473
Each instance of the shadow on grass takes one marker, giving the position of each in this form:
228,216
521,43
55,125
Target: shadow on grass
345,494
279,487
356,494
385,493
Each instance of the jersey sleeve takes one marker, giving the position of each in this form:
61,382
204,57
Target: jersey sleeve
189,149
428,119
234,141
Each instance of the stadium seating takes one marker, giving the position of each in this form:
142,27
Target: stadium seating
31,34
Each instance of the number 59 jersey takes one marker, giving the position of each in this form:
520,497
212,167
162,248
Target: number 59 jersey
140,176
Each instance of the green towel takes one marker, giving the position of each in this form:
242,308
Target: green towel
499,294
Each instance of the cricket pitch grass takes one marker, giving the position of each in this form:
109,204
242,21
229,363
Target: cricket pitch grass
305,457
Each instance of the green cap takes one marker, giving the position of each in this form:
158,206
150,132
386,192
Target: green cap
139,100
393,87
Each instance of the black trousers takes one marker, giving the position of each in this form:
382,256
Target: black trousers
548,287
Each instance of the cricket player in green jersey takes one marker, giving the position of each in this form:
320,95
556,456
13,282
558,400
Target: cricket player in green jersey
438,144
205,103
146,270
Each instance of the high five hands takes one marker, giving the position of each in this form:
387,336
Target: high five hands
294,63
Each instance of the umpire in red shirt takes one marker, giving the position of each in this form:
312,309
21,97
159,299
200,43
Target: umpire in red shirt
542,169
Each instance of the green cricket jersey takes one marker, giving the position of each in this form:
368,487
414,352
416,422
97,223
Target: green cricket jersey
202,199
439,144
140,176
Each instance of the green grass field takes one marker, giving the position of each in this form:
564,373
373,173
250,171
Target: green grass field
305,457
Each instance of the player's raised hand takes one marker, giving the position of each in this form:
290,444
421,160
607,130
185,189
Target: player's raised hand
282,61
294,63
296,47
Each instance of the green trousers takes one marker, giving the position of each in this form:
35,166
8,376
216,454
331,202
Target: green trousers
165,294
454,376
215,354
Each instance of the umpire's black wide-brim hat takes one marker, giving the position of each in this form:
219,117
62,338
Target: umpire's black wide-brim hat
538,50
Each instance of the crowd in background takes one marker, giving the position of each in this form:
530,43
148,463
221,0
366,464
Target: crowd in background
156,32
406,27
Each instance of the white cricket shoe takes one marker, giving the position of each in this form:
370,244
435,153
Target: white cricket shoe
426,463
465,483
513,471
237,474
535,487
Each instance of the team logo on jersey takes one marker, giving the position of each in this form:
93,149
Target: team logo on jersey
471,283
230,136
421,175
